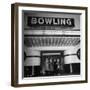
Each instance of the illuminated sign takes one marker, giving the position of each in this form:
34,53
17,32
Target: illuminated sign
78,53
50,21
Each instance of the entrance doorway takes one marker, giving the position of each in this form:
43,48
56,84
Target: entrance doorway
52,63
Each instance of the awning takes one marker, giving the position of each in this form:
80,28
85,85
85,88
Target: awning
34,41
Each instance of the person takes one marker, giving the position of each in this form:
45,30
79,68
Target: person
51,68
55,66
47,69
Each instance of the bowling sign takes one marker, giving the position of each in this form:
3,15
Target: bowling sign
50,21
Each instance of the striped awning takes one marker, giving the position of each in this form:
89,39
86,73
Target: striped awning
34,41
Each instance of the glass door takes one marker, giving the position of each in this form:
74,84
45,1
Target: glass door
52,64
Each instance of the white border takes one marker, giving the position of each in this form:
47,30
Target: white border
53,78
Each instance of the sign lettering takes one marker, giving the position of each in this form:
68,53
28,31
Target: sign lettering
50,21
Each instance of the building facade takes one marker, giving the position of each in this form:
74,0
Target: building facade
51,43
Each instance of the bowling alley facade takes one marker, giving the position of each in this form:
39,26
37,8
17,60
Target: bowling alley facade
51,45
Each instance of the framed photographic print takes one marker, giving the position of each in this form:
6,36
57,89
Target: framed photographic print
48,44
